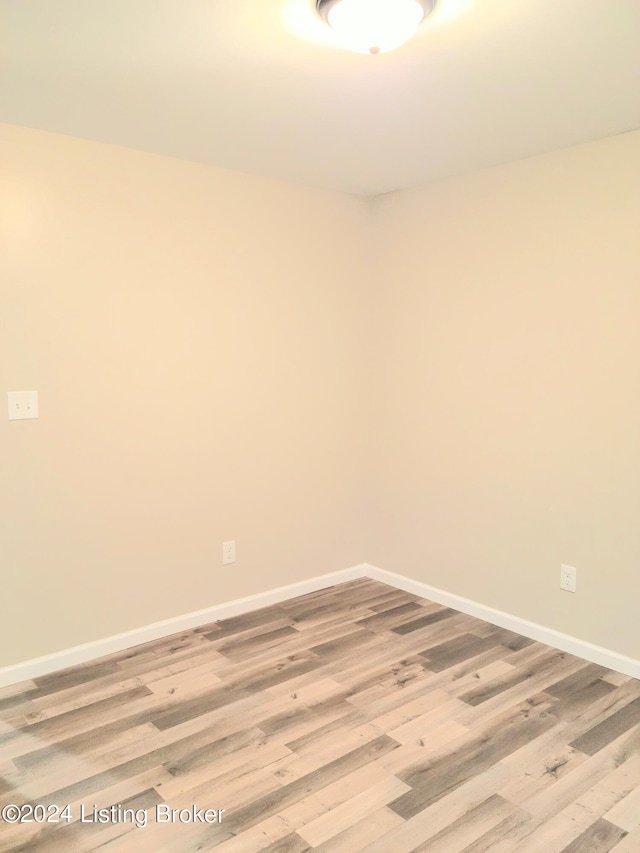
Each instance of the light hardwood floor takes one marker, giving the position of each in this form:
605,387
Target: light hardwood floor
355,718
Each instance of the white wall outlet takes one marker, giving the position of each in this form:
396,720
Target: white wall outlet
228,552
22,405
568,578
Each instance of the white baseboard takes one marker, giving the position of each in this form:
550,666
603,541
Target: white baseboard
549,636
119,642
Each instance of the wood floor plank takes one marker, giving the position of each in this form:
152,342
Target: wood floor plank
307,688
544,664
475,823
74,698
629,844
76,718
561,830
582,778
460,648
75,675
345,815
523,686
539,764
362,834
427,823
423,621
504,837
21,689
600,837
295,791
437,777
272,834
218,697
606,731
626,813
279,829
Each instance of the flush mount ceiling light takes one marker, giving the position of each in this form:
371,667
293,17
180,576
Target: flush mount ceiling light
374,26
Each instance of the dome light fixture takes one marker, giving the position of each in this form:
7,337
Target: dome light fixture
374,26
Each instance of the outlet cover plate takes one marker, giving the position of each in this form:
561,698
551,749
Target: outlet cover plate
568,578
228,552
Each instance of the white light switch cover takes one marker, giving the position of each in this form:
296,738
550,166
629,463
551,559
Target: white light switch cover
22,405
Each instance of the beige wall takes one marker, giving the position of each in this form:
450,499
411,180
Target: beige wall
215,359
197,342
509,377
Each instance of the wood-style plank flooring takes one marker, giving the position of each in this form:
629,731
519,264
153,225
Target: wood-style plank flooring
355,718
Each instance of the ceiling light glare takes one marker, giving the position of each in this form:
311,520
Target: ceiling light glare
373,26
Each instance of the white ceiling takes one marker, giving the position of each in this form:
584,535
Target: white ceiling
257,85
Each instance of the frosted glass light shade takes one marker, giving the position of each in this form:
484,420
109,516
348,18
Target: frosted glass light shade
373,26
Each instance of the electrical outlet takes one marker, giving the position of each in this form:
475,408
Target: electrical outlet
228,552
568,578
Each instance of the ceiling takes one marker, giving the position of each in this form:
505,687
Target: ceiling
258,85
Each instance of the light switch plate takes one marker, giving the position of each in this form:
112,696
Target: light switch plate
22,405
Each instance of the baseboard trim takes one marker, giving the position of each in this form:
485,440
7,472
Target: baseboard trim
549,636
36,667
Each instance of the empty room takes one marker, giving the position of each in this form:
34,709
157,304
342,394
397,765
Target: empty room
320,455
